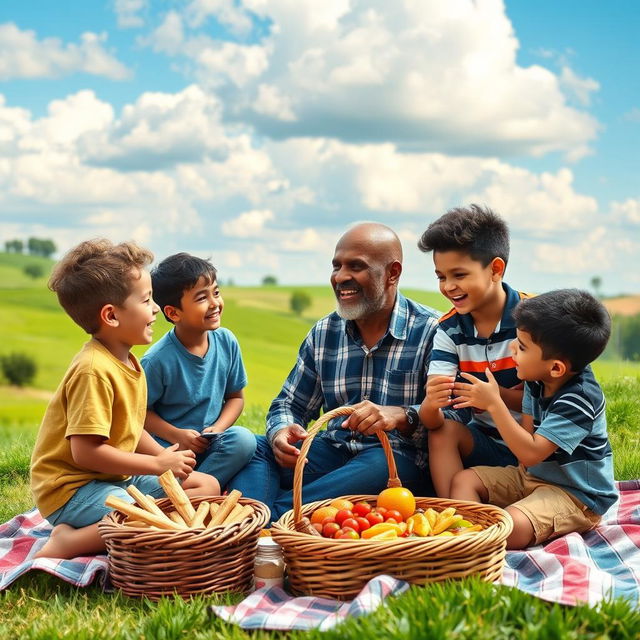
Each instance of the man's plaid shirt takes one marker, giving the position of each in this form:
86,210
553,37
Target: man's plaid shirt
335,368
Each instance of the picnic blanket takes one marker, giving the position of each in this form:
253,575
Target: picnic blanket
604,563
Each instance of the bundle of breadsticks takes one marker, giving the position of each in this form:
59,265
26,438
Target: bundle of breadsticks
183,516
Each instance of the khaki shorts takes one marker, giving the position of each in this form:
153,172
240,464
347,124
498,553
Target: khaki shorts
552,511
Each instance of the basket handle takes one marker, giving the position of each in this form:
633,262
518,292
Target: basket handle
394,481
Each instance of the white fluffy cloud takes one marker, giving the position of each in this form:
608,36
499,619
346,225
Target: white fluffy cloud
22,55
128,13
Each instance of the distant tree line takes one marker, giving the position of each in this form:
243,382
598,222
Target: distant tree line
44,247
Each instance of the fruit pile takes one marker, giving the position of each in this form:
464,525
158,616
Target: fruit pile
394,516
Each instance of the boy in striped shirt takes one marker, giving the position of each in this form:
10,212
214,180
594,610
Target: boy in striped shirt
470,252
564,482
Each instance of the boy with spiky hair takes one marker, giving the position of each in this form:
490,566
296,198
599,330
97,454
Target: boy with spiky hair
92,443
564,482
470,249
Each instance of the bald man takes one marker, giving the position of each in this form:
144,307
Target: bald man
372,353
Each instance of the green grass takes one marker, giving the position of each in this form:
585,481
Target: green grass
41,607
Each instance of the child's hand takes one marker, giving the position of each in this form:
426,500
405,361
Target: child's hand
180,462
477,394
191,439
439,390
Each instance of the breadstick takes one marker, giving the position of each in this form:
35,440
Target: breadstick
140,514
201,513
225,507
176,517
178,497
232,514
136,523
213,509
145,502
240,515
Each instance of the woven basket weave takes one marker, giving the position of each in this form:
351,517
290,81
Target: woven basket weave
340,568
156,563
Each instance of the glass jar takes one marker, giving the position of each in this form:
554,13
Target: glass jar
269,564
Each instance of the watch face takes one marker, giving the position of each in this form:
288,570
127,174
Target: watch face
412,416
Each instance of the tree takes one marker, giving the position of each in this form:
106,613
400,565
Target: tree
34,270
300,301
18,368
41,247
14,246
269,280
596,283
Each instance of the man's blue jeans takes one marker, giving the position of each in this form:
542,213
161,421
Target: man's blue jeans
331,471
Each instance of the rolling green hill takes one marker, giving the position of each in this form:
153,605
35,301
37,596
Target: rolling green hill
268,332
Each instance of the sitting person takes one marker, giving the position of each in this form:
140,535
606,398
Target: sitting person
565,479
91,443
195,372
371,353
470,252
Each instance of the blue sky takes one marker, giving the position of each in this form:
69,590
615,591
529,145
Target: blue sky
255,131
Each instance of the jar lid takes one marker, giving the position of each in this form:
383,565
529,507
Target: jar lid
267,542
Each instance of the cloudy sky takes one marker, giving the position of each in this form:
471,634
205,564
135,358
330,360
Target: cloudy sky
255,131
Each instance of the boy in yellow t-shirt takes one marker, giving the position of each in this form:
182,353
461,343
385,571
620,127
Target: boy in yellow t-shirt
91,442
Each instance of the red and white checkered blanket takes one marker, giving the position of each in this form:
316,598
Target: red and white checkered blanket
604,563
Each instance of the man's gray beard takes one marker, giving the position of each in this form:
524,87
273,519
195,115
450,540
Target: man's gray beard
366,307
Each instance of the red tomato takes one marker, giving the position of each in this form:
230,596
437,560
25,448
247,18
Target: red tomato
381,510
392,513
392,520
374,518
317,526
346,534
351,523
329,529
342,515
361,508
327,520
363,523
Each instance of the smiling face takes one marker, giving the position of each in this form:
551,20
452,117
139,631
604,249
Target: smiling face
466,283
201,307
530,363
138,313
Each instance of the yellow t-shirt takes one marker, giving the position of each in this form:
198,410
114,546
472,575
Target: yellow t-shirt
99,395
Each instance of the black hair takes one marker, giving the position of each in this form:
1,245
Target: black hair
175,275
566,323
479,231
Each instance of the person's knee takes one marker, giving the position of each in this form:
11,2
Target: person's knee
242,441
202,483
465,479
523,534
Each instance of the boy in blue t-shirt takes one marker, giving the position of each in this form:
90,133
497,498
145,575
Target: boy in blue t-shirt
565,479
195,374
470,249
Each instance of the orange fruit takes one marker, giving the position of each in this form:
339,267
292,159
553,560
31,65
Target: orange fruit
398,499
342,503
321,513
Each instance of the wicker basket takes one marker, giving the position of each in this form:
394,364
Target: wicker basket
156,563
340,568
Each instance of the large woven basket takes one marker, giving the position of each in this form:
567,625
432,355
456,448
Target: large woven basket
340,568
156,563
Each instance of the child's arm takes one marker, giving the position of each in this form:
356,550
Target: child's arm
231,410
438,395
512,397
184,438
528,447
93,453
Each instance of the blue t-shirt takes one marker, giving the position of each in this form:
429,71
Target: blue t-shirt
186,390
574,419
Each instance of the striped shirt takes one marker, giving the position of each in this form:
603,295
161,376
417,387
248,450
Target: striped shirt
574,419
335,368
458,348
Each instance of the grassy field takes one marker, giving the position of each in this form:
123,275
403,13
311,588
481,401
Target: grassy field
40,607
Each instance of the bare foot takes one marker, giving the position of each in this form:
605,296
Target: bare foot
66,542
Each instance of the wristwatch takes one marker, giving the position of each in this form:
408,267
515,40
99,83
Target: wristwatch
413,419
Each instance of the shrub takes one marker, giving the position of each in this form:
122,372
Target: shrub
18,368
300,301
34,270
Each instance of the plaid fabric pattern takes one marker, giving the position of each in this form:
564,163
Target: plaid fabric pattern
20,539
600,564
272,608
335,368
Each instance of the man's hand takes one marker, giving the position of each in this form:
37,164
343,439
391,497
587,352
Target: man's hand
369,418
283,450
477,394
190,439
439,390
180,462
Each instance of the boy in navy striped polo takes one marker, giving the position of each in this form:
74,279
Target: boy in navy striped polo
470,251
564,482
